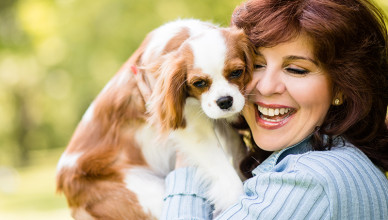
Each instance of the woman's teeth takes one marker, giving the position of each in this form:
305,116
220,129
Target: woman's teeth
270,112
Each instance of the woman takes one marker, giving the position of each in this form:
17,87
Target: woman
318,101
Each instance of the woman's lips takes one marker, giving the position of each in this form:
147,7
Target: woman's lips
273,116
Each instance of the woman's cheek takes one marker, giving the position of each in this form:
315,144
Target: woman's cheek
252,84
249,112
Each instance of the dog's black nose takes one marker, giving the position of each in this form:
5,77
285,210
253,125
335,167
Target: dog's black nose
225,102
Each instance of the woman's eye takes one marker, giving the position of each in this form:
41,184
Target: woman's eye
258,66
236,73
297,71
200,84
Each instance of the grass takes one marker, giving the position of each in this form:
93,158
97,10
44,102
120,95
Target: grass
29,193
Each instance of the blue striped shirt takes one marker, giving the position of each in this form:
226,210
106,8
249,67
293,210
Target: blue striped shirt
294,183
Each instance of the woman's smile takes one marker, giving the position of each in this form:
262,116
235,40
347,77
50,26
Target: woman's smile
273,116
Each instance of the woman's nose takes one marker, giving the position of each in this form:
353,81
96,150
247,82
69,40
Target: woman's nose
270,82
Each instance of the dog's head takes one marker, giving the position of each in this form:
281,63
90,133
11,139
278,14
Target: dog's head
213,67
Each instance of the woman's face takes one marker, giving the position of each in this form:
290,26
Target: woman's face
289,95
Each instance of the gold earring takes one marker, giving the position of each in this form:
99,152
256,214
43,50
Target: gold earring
336,102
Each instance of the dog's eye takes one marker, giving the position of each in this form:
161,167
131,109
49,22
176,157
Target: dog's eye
200,84
236,73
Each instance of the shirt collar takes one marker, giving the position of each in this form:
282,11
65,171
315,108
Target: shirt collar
298,148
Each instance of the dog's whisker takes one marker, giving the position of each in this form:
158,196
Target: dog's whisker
255,159
199,113
182,84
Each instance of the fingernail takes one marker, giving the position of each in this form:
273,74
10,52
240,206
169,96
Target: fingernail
134,69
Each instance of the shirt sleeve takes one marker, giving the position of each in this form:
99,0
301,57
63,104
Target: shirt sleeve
185,197
270,195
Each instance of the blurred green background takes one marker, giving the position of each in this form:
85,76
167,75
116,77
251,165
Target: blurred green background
55,56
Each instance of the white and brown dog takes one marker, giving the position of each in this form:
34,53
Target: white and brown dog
115,164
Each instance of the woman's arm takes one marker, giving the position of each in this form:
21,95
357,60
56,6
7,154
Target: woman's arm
185,196
269,195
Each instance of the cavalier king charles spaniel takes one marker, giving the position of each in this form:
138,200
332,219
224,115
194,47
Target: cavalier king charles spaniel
116,162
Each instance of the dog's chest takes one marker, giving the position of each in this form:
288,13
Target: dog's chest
159,155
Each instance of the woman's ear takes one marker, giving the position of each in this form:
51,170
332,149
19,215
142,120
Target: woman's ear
169,95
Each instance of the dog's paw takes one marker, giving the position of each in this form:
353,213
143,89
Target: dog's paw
230,196
224,191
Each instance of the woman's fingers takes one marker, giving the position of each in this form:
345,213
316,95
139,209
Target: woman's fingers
181,160
142,83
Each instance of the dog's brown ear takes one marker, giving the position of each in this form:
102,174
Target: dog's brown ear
169,95
248,49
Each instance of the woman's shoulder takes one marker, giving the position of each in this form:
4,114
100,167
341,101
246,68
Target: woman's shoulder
340,156
340,162
347,175
342,169
344,156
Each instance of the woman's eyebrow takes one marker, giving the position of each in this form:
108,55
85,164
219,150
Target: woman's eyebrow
300,58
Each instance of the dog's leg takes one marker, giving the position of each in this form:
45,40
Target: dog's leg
200,144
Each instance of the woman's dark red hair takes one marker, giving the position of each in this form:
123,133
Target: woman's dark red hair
350,43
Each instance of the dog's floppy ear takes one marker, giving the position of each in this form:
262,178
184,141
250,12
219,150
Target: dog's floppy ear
248,49
169,95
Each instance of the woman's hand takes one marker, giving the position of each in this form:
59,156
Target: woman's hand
144,84
181,160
